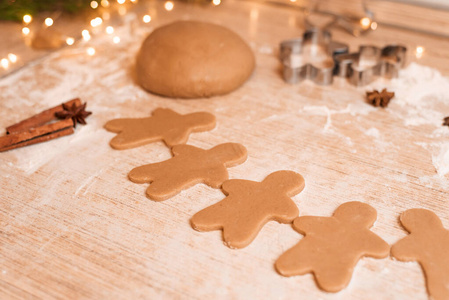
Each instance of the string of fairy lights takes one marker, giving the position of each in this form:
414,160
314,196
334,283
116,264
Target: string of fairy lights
86,34
106,6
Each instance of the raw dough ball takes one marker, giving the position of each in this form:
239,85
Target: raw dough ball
188,59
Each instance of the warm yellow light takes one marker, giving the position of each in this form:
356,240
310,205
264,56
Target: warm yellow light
70,41
94,4
254,14
134,1
27,19
116,40
90,51
146,19
419,51
120,1
216,2
292,0
25,30
122,11
5,63
86,35
12,57
104,3
374,25
365,22
48,22
96,22
109,30
169,5
106,16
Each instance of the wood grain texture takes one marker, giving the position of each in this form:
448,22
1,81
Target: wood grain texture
73,226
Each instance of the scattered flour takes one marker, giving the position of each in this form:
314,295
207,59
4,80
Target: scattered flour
441,160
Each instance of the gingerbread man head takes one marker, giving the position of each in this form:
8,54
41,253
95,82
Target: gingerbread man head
362,215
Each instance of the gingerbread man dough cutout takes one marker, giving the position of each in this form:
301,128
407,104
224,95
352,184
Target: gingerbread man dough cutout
249,206
428,244
332,246
189,166
164,125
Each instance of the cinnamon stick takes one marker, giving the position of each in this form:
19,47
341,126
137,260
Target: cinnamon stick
43,138
8,141
40,119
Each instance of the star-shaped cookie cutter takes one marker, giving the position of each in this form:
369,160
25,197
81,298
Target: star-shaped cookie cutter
310,57
370,62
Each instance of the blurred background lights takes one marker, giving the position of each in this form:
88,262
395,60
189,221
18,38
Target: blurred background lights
5,63
104,3
374,25
365,22
419,51
96,22
90,51
94,4
27,19
116,40
109,30
146,19
12,57
216,2
120,1
122,11
25,30
70,41
48,22
86,35
169,5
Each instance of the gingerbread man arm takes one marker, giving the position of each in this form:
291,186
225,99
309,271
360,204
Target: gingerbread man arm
209,218
146,173
163,189
128,136
216,177
200,121
377,247
184,150
117,125
312,224
405,249
237,186
176,136
230,154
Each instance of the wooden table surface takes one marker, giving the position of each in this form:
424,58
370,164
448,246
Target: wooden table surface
73,225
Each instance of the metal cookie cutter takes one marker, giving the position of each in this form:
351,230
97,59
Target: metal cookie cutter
364,66
311,57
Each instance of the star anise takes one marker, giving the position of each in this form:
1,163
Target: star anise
377,98
77,113
446,121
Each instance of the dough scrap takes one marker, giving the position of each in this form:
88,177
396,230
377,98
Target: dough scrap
189,166
249,205
332,246
164,125
428,244
191,59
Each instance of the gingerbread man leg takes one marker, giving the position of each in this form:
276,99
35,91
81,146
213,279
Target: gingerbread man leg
293,262
215,217
163,188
